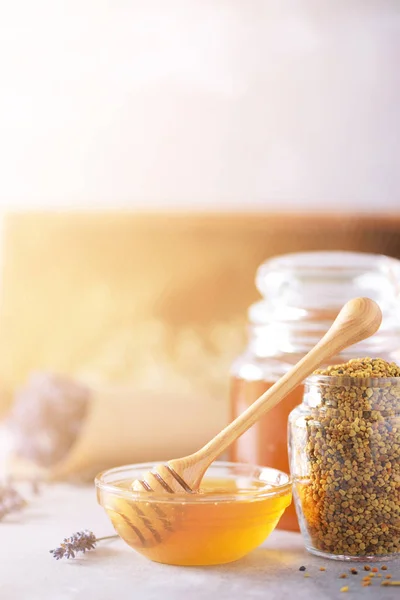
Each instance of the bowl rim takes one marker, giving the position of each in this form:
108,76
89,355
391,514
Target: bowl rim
258,494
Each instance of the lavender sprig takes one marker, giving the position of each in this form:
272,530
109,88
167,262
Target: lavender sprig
10,500
82,541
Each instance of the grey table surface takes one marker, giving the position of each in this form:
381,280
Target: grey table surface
114,571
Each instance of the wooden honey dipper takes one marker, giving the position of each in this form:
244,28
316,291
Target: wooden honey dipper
358,319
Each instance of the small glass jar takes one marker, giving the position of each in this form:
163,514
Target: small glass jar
344,446
302,295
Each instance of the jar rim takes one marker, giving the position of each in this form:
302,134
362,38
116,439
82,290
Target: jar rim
348,381
329,259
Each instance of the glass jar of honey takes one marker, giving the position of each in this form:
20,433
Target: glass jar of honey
301,296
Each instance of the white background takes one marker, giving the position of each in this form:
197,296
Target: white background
242,104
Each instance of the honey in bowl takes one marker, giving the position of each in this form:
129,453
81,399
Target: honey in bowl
236,509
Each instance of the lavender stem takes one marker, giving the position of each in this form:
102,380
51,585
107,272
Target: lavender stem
107,537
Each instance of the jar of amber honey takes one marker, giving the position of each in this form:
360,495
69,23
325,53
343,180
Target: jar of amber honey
301,296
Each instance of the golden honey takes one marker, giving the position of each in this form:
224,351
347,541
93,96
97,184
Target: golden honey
266,442
222,523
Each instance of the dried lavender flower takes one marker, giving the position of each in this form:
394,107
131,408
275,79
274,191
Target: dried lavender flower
82,541
10,500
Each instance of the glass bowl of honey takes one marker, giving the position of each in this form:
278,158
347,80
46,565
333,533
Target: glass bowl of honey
236,509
